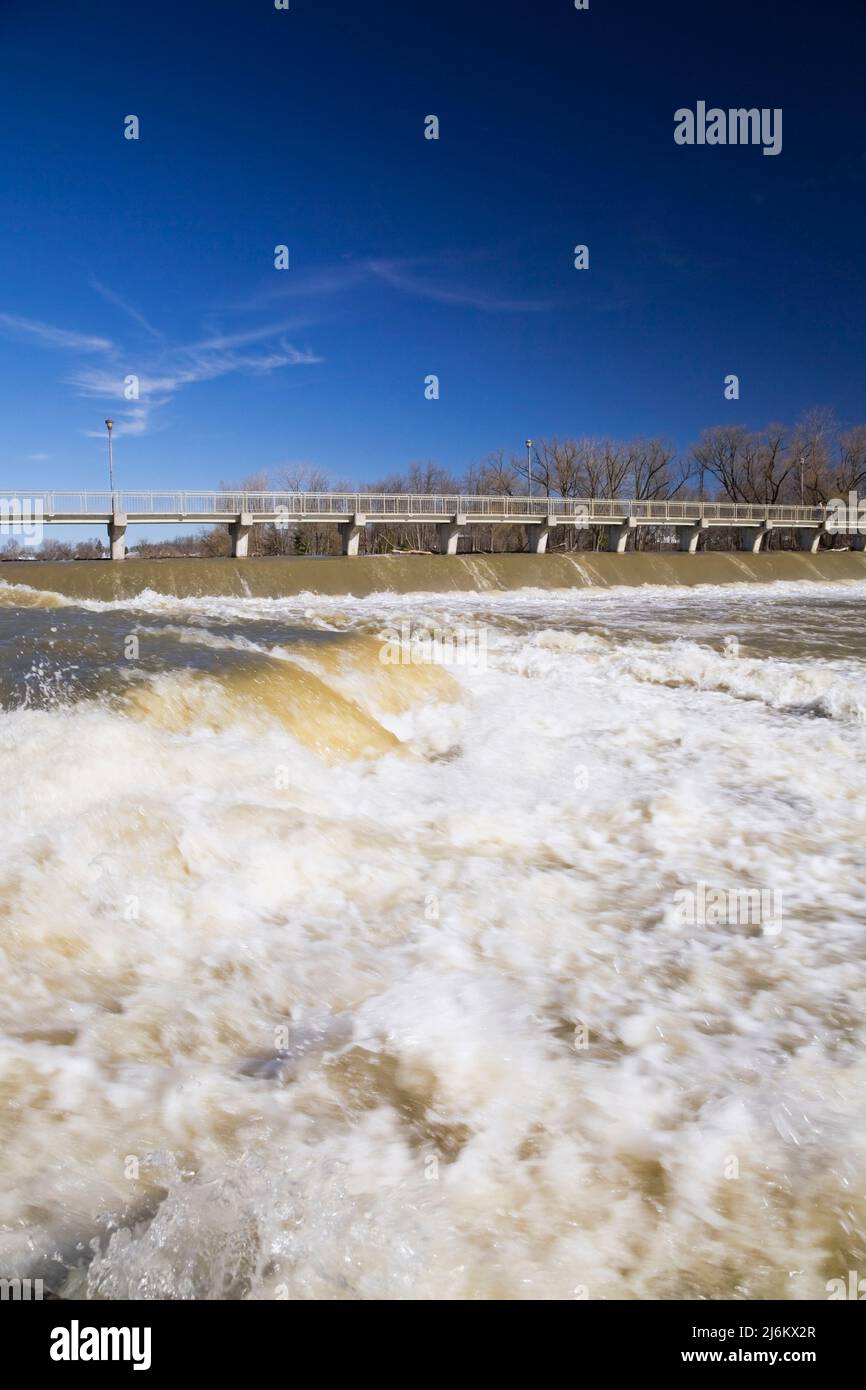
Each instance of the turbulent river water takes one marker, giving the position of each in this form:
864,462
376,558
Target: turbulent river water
342,963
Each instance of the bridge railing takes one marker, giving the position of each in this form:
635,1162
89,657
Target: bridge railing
209,505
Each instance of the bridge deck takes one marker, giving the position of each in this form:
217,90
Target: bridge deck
351,511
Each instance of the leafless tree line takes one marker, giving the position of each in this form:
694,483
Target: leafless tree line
640,468
813,462
52,549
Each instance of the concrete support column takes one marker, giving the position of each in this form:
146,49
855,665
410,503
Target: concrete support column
538,536
240,535
351,533
117,536
690,535
752,538
617,536
810,540
448,534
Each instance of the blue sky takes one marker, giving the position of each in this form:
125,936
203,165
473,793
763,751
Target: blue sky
260,127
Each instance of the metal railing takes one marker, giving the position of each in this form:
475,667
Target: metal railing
139,505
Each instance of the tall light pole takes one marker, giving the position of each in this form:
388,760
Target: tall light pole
802,465
109,425
529,464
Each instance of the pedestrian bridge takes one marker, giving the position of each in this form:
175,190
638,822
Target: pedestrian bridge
451,515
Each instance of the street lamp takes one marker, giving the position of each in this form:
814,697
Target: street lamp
529,464
109,425
802,465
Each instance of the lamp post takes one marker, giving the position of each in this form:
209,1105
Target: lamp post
109,425
802,494
529,464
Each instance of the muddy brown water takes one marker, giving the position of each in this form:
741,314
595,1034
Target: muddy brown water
272,577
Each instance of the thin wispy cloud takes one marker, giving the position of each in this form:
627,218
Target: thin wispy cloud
177,368
158,372
154,370
129,309
219,342
173,370
136,420
50,336
322,282
429,278
403,276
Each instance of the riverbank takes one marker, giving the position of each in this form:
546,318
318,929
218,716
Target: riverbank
277,576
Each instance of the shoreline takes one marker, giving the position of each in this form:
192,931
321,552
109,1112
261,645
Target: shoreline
286,576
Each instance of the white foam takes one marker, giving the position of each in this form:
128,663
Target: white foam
466,909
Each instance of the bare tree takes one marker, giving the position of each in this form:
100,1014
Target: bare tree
90,550
850,472
719,454
558,467
814,441
301,478
616,464
656,472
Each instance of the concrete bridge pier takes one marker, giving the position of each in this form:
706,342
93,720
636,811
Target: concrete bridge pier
752,538
239,532
350,531
538,536
690,535
617,536
448,534
811,540
117,536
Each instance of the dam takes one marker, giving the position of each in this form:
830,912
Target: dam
749,523
280,577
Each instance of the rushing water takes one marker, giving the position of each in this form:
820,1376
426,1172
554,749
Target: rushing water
333,976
